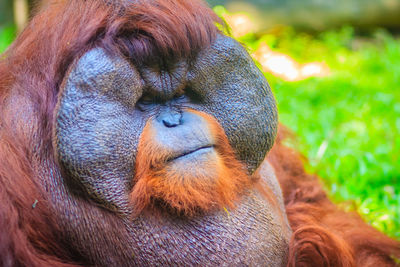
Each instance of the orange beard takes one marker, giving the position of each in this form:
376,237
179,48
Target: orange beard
189,187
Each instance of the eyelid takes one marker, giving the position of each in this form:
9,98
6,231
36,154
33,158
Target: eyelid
179,96
146,99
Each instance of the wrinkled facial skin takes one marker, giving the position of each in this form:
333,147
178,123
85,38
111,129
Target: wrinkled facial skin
104,105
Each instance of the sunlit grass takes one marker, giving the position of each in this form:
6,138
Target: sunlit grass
348,123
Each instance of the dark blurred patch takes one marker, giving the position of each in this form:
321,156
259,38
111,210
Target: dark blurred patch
6,14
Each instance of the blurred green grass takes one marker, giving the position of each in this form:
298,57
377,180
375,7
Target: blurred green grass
347,123
7,35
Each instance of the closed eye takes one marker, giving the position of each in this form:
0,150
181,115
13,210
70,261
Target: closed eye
146,99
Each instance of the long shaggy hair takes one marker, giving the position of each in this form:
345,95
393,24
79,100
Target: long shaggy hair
31,72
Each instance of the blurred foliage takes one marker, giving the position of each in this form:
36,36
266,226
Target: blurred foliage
317,15
7,35
347,123
354,113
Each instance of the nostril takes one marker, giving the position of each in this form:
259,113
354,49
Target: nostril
170,123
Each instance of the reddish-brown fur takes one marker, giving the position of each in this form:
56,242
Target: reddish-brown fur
155,180
324,235
33,68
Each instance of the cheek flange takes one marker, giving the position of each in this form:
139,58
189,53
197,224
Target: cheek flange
97,127
236,93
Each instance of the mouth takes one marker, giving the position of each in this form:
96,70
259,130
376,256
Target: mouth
199,150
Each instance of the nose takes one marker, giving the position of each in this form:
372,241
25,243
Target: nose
170,117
